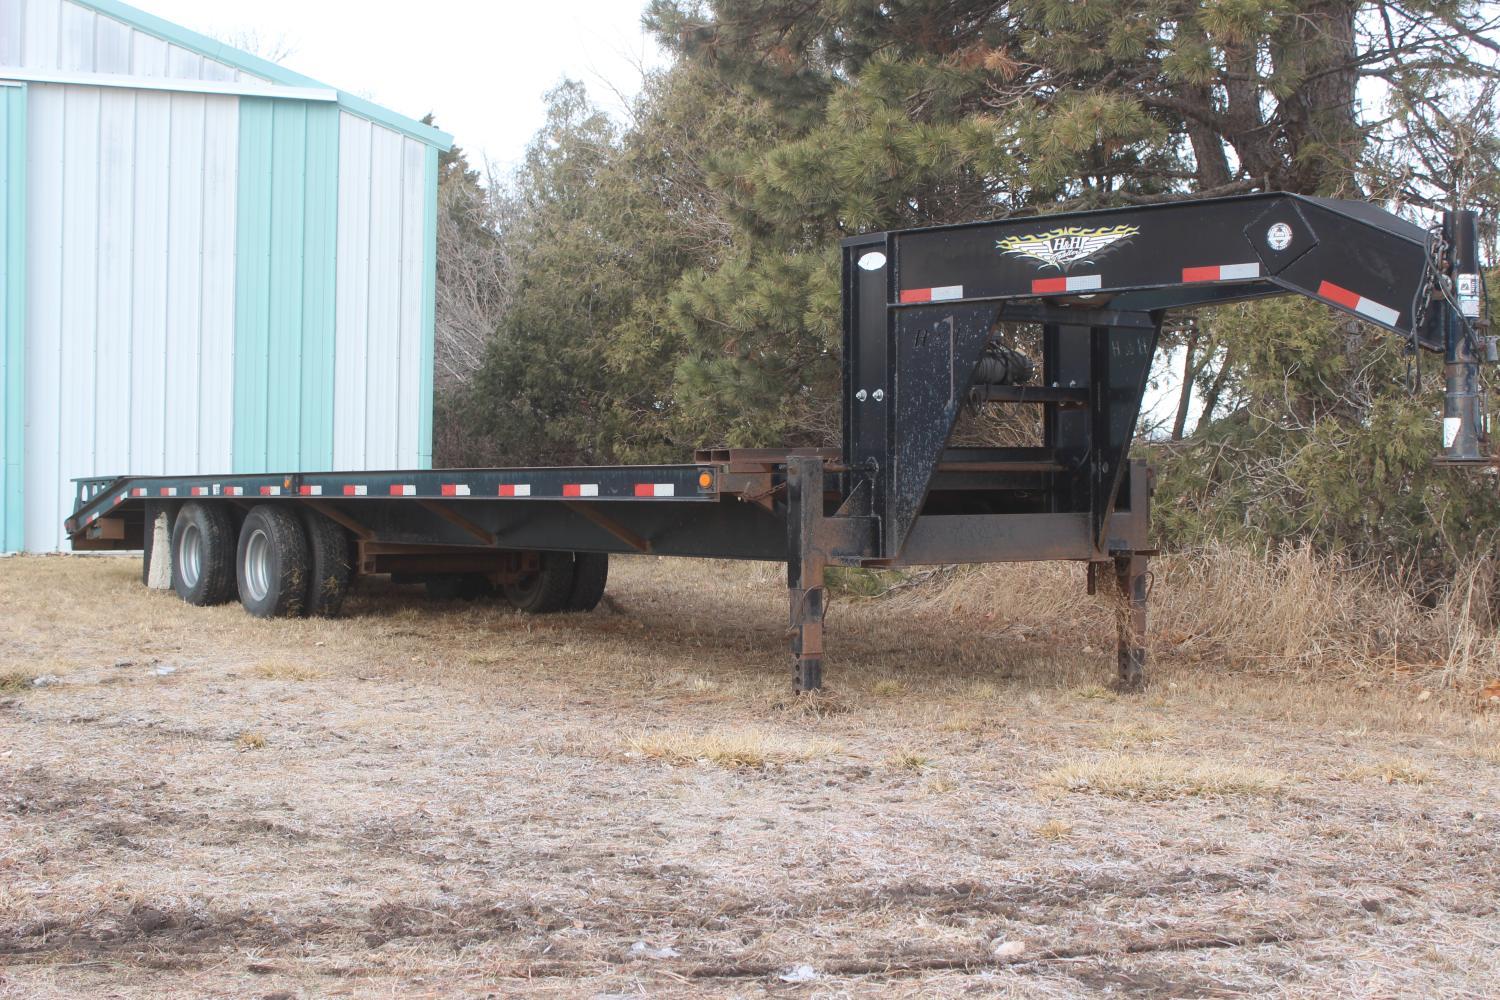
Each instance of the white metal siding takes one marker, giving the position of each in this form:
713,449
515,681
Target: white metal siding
377,369
130,281
56,34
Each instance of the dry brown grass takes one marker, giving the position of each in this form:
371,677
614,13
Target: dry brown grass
1294,610
455,800
1155,776
727,747
1393,771
283,670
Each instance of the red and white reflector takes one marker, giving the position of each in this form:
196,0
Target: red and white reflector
515,490
1222,272
1353,300
943,293
169,491
455,489
1071,283
121,498
655,490
580,489
270,491
139,491
234,491
310,491
403,490
356,490
199,491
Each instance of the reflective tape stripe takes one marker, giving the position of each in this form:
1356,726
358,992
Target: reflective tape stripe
580,489
1076,283
1222,272
515,490
234,491
455,490
1358,303
655,490
270,491
403,490
200,491
353,490
310,491
943,293
169,491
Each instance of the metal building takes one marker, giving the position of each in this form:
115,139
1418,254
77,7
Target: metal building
208,263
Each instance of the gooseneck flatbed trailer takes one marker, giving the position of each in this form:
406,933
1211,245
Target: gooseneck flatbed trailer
925,319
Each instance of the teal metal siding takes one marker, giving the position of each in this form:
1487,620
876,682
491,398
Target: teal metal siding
12,315
285,282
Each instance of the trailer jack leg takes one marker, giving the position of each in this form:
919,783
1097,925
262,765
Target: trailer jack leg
1130,575
804,569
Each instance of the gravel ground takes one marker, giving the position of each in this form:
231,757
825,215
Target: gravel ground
452,800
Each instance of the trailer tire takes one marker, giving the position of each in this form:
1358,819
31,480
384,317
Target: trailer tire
546,591
590,574
202,554
272,563
331,564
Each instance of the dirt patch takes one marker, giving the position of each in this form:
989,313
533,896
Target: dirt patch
455,800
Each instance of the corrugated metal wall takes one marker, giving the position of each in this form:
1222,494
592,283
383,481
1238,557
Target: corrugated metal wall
383,365
56,34
12,314
130,304
215,283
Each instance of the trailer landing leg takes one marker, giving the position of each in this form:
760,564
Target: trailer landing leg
1130,575
804,570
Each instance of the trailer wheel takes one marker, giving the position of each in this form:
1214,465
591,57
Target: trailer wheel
202,554
546,591
331,564
273,564
590,573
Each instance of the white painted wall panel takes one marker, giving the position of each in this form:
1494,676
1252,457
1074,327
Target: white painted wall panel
377,370
116,257
413,193
44,292
215,417
75,48
352,297
148,295
184,285
111,46
77,357
131,232
382,447
10,33
56,34
41,24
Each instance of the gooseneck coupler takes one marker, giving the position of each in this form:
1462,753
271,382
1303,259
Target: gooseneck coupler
1459,311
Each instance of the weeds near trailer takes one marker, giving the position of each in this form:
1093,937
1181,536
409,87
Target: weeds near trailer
1393,771
1155,777
12,681
748,748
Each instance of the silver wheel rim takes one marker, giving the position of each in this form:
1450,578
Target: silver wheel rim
189,554
258,564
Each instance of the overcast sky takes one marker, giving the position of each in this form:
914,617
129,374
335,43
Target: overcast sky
481,66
